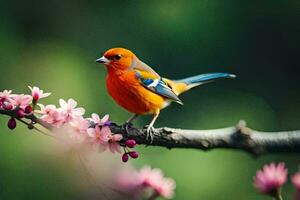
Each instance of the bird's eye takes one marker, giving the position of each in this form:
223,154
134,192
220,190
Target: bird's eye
117,57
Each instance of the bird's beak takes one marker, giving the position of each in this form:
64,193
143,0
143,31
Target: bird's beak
102,60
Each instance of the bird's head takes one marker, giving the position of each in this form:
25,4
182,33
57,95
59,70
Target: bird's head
117,59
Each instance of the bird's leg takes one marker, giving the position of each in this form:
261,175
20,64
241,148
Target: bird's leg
133,117
150,128
128,123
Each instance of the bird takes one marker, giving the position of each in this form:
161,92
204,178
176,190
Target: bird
139,89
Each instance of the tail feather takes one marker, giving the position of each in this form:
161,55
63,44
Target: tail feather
201,79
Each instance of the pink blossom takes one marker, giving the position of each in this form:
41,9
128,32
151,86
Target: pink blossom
129,182
37,94
103,136
80,125
100,136
52,115
75,132
67,113
113,143
296,180
133,182
154,178
97,120
270,179
296,183
6,95
69,109
21,100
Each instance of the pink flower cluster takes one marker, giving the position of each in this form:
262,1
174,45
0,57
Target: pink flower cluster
9,101
20,104
66,113
102,136
272,177
138,183
94,131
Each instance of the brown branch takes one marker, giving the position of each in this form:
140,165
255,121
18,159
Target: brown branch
236,137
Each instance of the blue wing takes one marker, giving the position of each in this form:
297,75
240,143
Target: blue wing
158,86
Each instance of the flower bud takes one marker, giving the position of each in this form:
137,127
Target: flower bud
130,143
28,109
7,106
36,97
20,113
125,157
12,123
134,154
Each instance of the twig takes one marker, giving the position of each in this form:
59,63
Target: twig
31,126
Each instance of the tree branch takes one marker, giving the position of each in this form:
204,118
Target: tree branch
236,137
34,120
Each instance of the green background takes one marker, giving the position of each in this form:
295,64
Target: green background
54,44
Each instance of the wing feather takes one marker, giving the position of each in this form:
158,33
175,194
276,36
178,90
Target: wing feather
156,85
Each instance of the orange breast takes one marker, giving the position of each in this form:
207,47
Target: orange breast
126,90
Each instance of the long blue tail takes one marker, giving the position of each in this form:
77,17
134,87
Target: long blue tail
204,78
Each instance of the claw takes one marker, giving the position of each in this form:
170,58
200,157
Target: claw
150,128
150,131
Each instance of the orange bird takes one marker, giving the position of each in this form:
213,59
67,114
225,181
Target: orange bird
140,90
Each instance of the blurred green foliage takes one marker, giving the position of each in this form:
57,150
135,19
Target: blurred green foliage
53,44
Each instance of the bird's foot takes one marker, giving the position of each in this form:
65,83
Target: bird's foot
149,133
126,126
